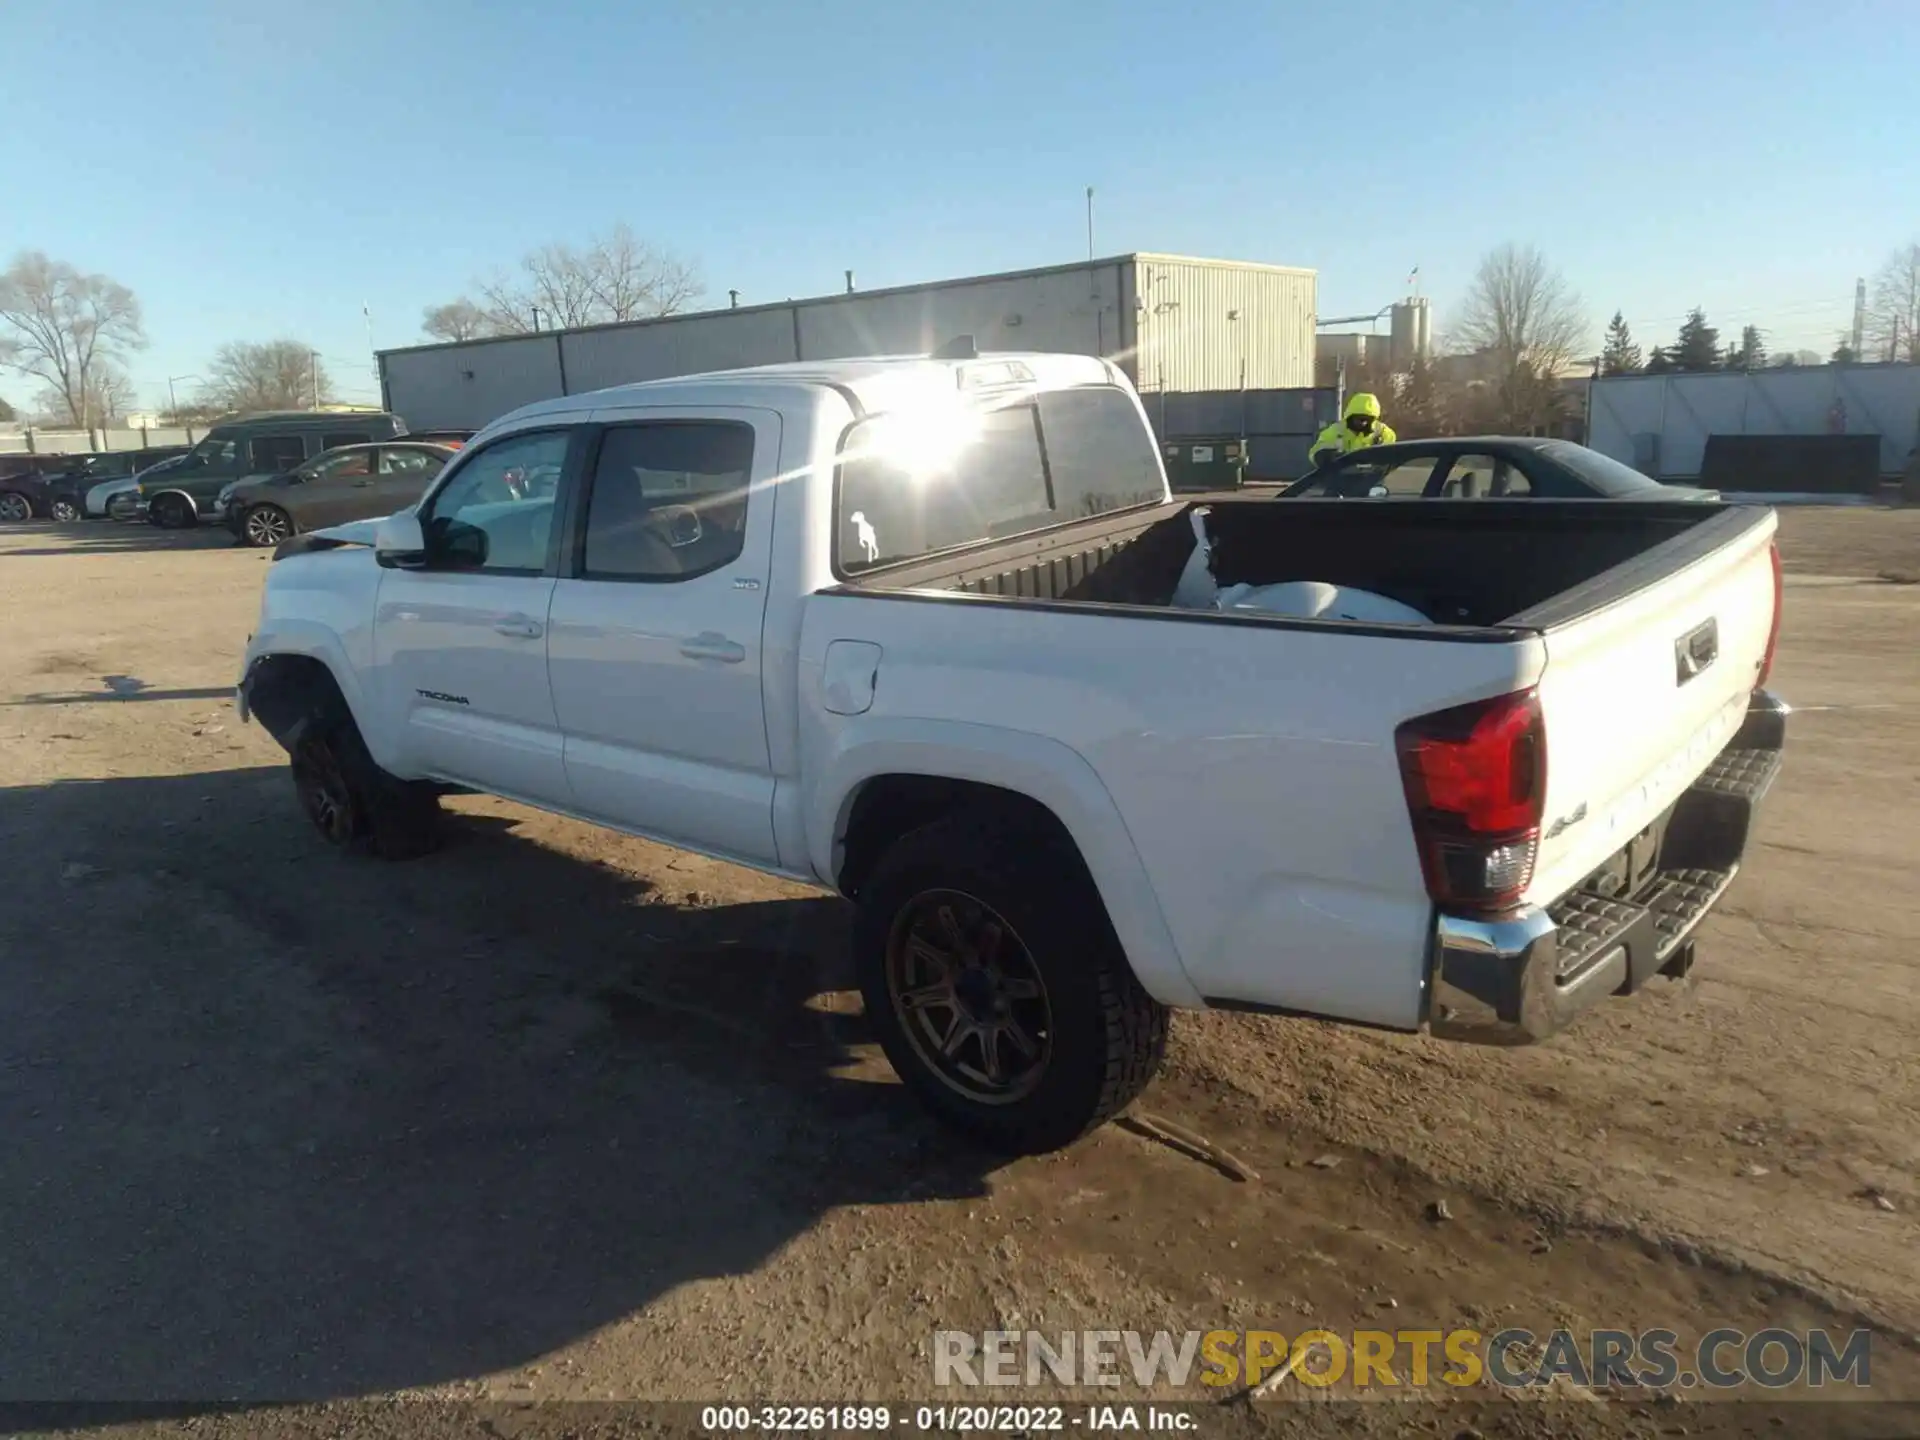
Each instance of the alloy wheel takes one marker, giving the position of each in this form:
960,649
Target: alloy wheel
969,997
323,791
15,507
268,526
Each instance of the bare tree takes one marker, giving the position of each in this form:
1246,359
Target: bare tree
1893,319
1523,317
65,328
109,395
7,413
616,277
456,320
272,375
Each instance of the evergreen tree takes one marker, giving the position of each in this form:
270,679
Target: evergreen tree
1697,347
1750,353
1659,362
1620,355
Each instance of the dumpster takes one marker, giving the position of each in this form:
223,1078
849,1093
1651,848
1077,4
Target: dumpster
1202,463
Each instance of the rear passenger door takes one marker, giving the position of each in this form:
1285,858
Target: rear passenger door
654,643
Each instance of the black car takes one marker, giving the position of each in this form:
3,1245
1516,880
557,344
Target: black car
31,486
1483,467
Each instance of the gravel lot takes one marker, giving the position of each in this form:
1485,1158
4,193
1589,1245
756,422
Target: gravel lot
561,1114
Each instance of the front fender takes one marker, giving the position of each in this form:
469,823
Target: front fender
315,641
1043,770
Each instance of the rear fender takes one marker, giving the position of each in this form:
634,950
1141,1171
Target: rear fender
1041,769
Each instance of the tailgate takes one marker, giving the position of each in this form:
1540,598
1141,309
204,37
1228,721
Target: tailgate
1640,693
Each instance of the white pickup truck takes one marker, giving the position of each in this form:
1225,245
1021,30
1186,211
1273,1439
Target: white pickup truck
906,629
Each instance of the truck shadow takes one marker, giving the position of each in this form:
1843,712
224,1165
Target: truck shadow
284,1125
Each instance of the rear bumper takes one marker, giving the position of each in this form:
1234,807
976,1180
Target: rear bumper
1522,977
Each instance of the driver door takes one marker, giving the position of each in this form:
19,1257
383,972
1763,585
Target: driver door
460,645
333,489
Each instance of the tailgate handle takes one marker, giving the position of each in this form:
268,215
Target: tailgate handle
1694,651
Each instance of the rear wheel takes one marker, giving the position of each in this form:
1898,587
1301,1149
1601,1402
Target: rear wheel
64,510
267,525
14,506
995,983
352,802
171,512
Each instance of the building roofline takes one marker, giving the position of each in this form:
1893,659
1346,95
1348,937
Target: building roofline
811,301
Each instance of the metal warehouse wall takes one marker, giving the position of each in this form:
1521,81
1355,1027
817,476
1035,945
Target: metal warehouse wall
1222,325
1215,325
1072,311
1660,423
1278,425
465,386
726,340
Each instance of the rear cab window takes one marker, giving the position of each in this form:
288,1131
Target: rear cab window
916,484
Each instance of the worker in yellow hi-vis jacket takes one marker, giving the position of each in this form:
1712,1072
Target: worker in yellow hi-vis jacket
1360,427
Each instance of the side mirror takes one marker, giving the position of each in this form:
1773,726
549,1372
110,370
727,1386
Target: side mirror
399,543
1377,492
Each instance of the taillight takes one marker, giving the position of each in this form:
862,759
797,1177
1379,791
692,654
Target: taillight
1476,782
1773,626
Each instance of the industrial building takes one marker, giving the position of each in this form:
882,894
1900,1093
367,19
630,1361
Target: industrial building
1176,325
1661,424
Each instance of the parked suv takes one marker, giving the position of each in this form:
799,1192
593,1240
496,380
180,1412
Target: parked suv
353,482
254,446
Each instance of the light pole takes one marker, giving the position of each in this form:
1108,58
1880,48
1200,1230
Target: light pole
173,404
313,376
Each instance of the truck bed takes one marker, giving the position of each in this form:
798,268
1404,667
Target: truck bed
1520,563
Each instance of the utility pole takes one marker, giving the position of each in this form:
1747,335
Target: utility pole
1089,224
313,375
1859,318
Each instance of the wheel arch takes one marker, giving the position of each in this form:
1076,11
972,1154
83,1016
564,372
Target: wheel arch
192,505
287,678
887,779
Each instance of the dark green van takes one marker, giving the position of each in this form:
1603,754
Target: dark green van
246,447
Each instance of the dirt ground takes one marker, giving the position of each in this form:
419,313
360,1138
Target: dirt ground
557,1114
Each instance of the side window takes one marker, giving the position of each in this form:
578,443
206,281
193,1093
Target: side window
669,500
908,488
496,513
351,466
1483,477
275,452
395,460
1409,477
334,439
1101,456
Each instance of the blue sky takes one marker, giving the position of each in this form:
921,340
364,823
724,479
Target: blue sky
263,169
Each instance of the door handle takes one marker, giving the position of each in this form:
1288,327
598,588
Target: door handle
713,647
520,627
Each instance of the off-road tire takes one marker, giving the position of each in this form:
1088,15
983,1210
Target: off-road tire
383,815
1108,1035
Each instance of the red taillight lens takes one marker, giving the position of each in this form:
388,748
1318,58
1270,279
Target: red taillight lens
1476,783
1773,626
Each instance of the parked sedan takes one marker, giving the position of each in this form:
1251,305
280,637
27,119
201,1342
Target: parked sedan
29,486
352,482
1480,467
